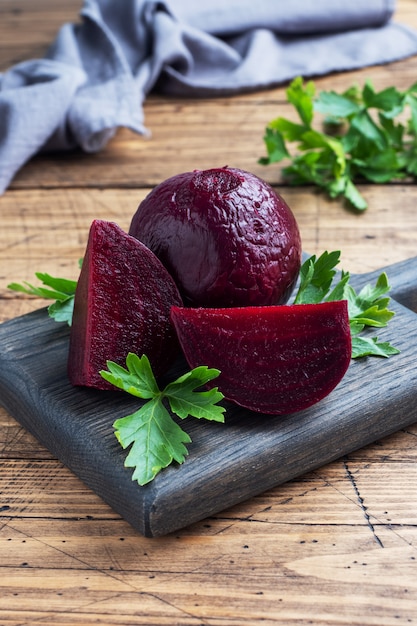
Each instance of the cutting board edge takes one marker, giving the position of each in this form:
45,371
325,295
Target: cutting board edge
157,528
148,523
152,524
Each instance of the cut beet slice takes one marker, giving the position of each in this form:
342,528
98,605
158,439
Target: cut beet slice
122,304
274,359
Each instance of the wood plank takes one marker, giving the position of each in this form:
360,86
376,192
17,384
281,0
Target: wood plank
47,230
227,466
258,571
17,443
28,28
191,134
329,495
300,560
186,133
328,570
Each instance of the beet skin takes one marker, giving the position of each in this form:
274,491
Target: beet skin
224,235
122,304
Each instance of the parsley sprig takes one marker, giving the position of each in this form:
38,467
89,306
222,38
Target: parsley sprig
156,440
367,309
61,290
363,137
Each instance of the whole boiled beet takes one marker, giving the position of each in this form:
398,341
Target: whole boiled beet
224,235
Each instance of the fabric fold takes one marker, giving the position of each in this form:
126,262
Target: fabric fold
288,58
297,17
97,73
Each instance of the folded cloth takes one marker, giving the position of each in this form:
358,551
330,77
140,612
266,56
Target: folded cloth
98,72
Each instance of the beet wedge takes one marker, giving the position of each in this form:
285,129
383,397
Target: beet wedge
122,304
275,359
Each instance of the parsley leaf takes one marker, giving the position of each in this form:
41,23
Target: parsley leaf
362,137
156,440
316,276
62,290
368,308
369,346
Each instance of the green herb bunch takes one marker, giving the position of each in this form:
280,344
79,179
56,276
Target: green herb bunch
363,137
367,310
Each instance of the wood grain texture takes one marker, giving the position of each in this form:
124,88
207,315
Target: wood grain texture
28,28
333,547
47,230
186,134
227,463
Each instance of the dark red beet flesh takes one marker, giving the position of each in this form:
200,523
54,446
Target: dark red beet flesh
224,235
122,304
275,359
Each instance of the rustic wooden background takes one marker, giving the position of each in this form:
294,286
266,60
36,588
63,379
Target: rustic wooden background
336,546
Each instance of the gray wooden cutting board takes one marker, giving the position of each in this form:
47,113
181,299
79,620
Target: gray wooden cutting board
227,463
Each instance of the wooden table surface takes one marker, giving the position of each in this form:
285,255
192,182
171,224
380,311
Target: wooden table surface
335,546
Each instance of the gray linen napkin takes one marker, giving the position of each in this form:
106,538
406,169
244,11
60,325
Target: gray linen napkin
97,74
